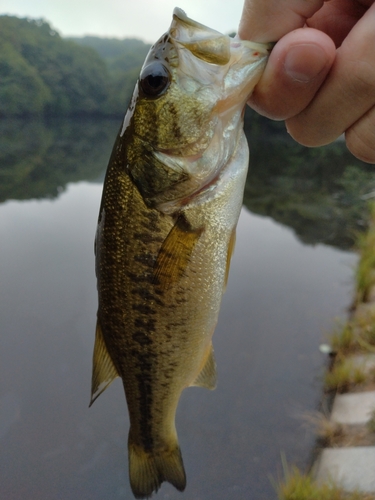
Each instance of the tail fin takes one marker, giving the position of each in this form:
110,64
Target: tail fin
147,470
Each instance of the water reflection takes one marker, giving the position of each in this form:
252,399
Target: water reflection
38,158
281,298
321,193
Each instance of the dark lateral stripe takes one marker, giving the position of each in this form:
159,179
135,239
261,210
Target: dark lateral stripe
147,325
146,295
141,338
148,237
145,258
144,278
145,399
143,308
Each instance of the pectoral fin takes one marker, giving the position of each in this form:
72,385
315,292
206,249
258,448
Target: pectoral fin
103,369
207,376
175,252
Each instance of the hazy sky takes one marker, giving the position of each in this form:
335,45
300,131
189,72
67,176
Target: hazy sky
146,19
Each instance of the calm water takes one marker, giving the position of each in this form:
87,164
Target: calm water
281,300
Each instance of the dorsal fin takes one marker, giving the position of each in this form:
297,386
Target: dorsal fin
175,252
207,376
103,369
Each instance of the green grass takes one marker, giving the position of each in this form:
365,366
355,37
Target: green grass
329,433
365,274
343,375
365,325
356,335
343,340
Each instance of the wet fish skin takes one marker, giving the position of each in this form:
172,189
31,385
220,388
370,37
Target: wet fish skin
171,200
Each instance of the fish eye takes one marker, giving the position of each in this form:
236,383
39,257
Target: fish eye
155,79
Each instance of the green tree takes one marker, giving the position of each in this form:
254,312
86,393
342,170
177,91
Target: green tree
40,71
124,58
22,90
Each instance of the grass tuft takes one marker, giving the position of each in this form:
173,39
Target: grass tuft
328,432
343,339
343,375
355,335
365,323
365,274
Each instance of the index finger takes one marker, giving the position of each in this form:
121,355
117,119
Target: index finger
269,20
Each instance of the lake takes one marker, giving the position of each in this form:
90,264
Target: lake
291,276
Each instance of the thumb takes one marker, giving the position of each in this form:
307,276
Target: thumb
268,21
297,66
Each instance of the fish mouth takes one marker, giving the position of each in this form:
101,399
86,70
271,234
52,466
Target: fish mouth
208,44
180,15
234,65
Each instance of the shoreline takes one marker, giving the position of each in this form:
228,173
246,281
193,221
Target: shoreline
342,464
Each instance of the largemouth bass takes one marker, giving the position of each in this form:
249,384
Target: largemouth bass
171,200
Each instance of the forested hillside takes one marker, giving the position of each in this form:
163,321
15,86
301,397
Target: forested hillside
43,73
124,58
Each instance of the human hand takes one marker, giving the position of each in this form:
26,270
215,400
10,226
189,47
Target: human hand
320,77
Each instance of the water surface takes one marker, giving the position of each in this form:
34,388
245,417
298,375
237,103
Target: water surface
281,301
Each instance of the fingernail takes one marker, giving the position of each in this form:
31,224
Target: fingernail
304,62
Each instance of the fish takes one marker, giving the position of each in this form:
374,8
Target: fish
171,199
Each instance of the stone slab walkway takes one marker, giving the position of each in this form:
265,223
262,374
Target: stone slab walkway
351,468
354,409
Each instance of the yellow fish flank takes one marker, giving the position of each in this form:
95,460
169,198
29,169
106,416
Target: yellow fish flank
171,200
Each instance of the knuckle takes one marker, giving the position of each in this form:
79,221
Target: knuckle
360,141
305,132
361,79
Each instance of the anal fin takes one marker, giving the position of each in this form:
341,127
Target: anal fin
103,369
207,376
